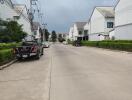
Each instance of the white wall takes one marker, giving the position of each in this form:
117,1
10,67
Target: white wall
112,34
94,37
75,32
123,17
123,12
26,25
123,33
71,33
97,22
7,12
87,26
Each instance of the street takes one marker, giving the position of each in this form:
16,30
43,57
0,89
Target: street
70,73
26,80
81,73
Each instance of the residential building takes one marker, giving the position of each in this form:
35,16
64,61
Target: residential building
77,31
87,30
101,23
15,12
36,30
70,35
123,20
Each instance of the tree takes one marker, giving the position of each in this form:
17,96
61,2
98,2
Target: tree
47,34
12,33
60,38
53,36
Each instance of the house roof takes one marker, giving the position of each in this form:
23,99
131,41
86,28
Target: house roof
80,24
36,25
106,11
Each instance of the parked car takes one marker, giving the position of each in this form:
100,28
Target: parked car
29,49
46,44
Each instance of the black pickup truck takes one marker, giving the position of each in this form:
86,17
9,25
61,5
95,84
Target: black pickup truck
29,49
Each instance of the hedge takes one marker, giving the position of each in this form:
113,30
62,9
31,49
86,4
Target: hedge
6,56
8,45
117,45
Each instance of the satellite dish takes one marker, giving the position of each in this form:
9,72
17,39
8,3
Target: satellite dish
2,1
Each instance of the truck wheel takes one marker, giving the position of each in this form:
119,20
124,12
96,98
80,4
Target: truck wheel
38,56
19,58
42,52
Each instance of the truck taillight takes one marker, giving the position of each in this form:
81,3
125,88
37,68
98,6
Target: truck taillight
34,49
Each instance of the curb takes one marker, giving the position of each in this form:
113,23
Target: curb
114,50
8,64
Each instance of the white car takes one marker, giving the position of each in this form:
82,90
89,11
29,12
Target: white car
46,44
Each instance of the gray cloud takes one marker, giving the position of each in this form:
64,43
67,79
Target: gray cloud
60,14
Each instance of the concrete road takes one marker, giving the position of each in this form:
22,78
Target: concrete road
70,73
26,80
81,73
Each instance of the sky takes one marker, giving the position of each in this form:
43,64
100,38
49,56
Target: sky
59,15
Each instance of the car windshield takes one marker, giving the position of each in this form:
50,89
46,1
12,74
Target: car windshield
29,43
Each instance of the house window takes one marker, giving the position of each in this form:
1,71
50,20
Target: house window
80,32
110,24
85,32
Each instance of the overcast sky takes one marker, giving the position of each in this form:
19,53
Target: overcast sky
61,14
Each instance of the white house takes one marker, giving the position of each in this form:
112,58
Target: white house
123,20
36,29
77,31
9,11
101,23
70,35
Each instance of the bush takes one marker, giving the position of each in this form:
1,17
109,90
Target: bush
6,56
125,45
8,45
69,41
90,43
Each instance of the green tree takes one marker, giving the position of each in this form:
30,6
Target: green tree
53,36
60,38
12,33
47,34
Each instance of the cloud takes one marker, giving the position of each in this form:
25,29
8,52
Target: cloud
60,14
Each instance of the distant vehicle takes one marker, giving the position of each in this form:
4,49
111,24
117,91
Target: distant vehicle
29,49
46,44
77,43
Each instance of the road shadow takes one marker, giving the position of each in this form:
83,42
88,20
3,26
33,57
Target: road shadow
31,59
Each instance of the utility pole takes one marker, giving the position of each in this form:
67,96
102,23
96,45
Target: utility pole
31,15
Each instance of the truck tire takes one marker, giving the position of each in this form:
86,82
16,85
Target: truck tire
38,56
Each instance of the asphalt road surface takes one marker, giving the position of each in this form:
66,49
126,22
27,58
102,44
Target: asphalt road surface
70,73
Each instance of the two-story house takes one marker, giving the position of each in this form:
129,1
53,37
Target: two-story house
101,23
19,13
123,20
77,32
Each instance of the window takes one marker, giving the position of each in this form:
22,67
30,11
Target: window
85,32
110,24
80,32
